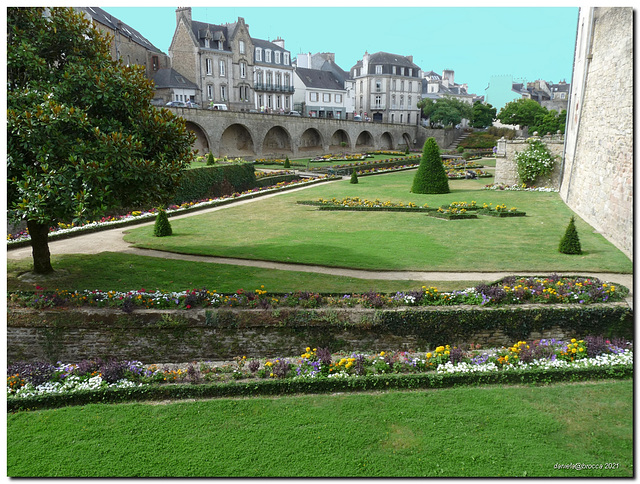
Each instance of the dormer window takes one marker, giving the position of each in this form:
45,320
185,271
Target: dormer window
393,69
286,59
258,54
410,72
378,69
207,43
277,56
402,71
219,45
267,55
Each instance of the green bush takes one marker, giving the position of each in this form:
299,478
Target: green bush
210,159
162,227
215,181
460,149
507,133
570,243
287,163
354,177
431,176
479,141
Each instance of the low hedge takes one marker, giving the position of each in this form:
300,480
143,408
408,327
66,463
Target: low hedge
315,385
215,181
452,216
267,181
494,213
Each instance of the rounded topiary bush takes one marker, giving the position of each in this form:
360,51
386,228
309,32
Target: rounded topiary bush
570,243
354,177
431,176
162,227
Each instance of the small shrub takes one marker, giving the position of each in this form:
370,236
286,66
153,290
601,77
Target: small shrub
287,163
406,150
460,149
431,176
570,243
162,227
354,177
536,161
112,370
253,366
210,159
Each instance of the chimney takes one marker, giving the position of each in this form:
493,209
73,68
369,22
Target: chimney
410,57
279,42
183,12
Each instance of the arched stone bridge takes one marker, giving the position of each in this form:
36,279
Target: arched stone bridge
255,135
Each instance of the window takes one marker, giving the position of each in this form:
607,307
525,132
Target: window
402,85
241,46
410,86
401,103
313,96
378,69
207,43
260,104
278,104
258,53
278,79
154,61
409,102
210,91
402,71
287,80
393,69
361,104
277,57
408,118
378,102
378,85
259,77
223,68
269,79
338,98
219,45
209,64
223,93
269,101
267,55
286,58
360,86
286,102
393,101
243,70
394,84
326,97
410,74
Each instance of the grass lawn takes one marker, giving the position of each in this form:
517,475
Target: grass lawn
467,431
278,229
126,272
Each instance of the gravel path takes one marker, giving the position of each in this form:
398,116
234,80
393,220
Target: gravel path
112,241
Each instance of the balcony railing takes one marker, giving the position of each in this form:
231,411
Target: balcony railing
261,86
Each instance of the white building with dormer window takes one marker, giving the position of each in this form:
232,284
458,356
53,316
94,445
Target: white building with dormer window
273,76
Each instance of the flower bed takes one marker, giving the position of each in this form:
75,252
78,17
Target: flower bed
458,174
457,164
341,157
267,174
452,214
511,290
136,217
276,161
27,383
355,203
518,188
372,164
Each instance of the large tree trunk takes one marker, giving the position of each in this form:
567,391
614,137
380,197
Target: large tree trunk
40,247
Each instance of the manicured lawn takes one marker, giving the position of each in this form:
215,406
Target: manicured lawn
278,229
125,272
463,432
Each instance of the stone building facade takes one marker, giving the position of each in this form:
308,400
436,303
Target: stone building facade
597,175
388,88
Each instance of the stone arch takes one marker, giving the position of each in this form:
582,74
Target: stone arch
339,137
406,138
201,144
311,140
277,142
365,140
236,141
386,141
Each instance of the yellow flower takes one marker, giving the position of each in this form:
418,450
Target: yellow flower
573,340
307,349
382,353
429,355
580,350
573,350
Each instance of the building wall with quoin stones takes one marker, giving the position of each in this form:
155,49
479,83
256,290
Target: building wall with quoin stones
597,178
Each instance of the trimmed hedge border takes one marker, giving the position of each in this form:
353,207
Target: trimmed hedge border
452,216
316,385
493,213
215,181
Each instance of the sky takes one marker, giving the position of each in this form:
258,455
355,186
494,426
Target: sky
528,43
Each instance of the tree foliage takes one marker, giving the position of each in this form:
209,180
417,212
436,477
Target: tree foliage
354,177
483,115
431,176
445,111
521,112
162,227
82,136
549,122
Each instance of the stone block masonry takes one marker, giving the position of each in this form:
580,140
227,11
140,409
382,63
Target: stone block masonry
507,168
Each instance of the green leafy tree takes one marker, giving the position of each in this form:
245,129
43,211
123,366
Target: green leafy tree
549,122
431,176
570,243
427,106
482,115
449,111
521,112
82,136
354,177
162,227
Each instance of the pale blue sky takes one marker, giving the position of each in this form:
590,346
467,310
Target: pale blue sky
527,42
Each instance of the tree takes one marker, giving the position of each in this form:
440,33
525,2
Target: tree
482,115
162,227
521,112
354,177
82,136
446,111
287,164
570,243
549,122
431,176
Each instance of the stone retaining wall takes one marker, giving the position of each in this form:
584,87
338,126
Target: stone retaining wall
507,168
165,336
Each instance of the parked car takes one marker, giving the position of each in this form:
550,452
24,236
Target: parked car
219,107
357,117
176,104
294,113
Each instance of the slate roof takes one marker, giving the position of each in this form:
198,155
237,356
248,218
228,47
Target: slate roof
265,44
318,79
200,30
111,22
168,78
386,59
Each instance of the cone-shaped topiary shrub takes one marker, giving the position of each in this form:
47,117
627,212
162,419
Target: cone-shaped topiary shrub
286,163
162,228
210,159
354,177
431,176
406,150
570,243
